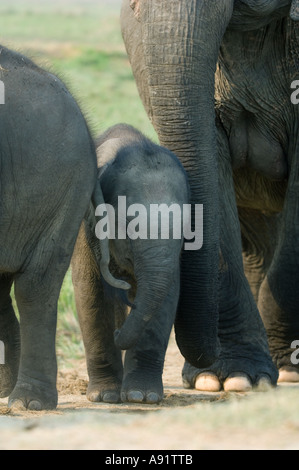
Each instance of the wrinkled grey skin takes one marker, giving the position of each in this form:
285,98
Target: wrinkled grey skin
48,173
174,47
132,166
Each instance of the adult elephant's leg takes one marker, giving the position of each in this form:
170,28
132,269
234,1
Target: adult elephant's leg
244,360
144,363
259,238
96,312
279,294
9,338
174,57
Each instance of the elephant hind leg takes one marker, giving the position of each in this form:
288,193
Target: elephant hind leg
259,237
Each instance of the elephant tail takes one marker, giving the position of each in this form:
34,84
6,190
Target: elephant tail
97,199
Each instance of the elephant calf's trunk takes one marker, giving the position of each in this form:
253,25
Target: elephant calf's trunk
127,337
152,290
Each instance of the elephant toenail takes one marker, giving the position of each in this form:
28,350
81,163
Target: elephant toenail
17,405
94,397
35,405
237,383
263,385
110,397
152,398
207,382
135,396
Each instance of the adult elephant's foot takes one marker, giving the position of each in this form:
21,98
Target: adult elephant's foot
288,374
209,382
231,376
33,395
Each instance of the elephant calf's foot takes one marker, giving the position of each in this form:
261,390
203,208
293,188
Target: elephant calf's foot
141,396
138,388
103,393
27,396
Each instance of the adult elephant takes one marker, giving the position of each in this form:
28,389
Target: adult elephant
174,48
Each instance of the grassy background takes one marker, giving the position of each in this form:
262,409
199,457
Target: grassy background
79,40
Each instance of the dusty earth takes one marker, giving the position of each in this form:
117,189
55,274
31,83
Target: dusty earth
185,420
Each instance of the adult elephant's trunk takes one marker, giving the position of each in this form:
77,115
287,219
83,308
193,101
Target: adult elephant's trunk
181,42
156,268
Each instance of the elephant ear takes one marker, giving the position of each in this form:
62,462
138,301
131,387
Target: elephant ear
135,5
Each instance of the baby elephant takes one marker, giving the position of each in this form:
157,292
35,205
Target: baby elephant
146,193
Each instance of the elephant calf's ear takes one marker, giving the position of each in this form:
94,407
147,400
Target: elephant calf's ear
134,4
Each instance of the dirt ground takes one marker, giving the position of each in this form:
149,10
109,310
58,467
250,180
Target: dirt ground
185,420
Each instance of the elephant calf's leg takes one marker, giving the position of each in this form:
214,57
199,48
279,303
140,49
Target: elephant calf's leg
9,339
144,363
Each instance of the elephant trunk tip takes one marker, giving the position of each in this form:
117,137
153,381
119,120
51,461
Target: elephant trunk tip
117,283
201,357
123,341
202,361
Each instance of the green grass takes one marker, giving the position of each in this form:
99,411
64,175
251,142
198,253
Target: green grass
80,41
69,344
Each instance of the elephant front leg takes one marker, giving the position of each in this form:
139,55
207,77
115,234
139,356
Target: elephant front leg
143,367
244,360
279,294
